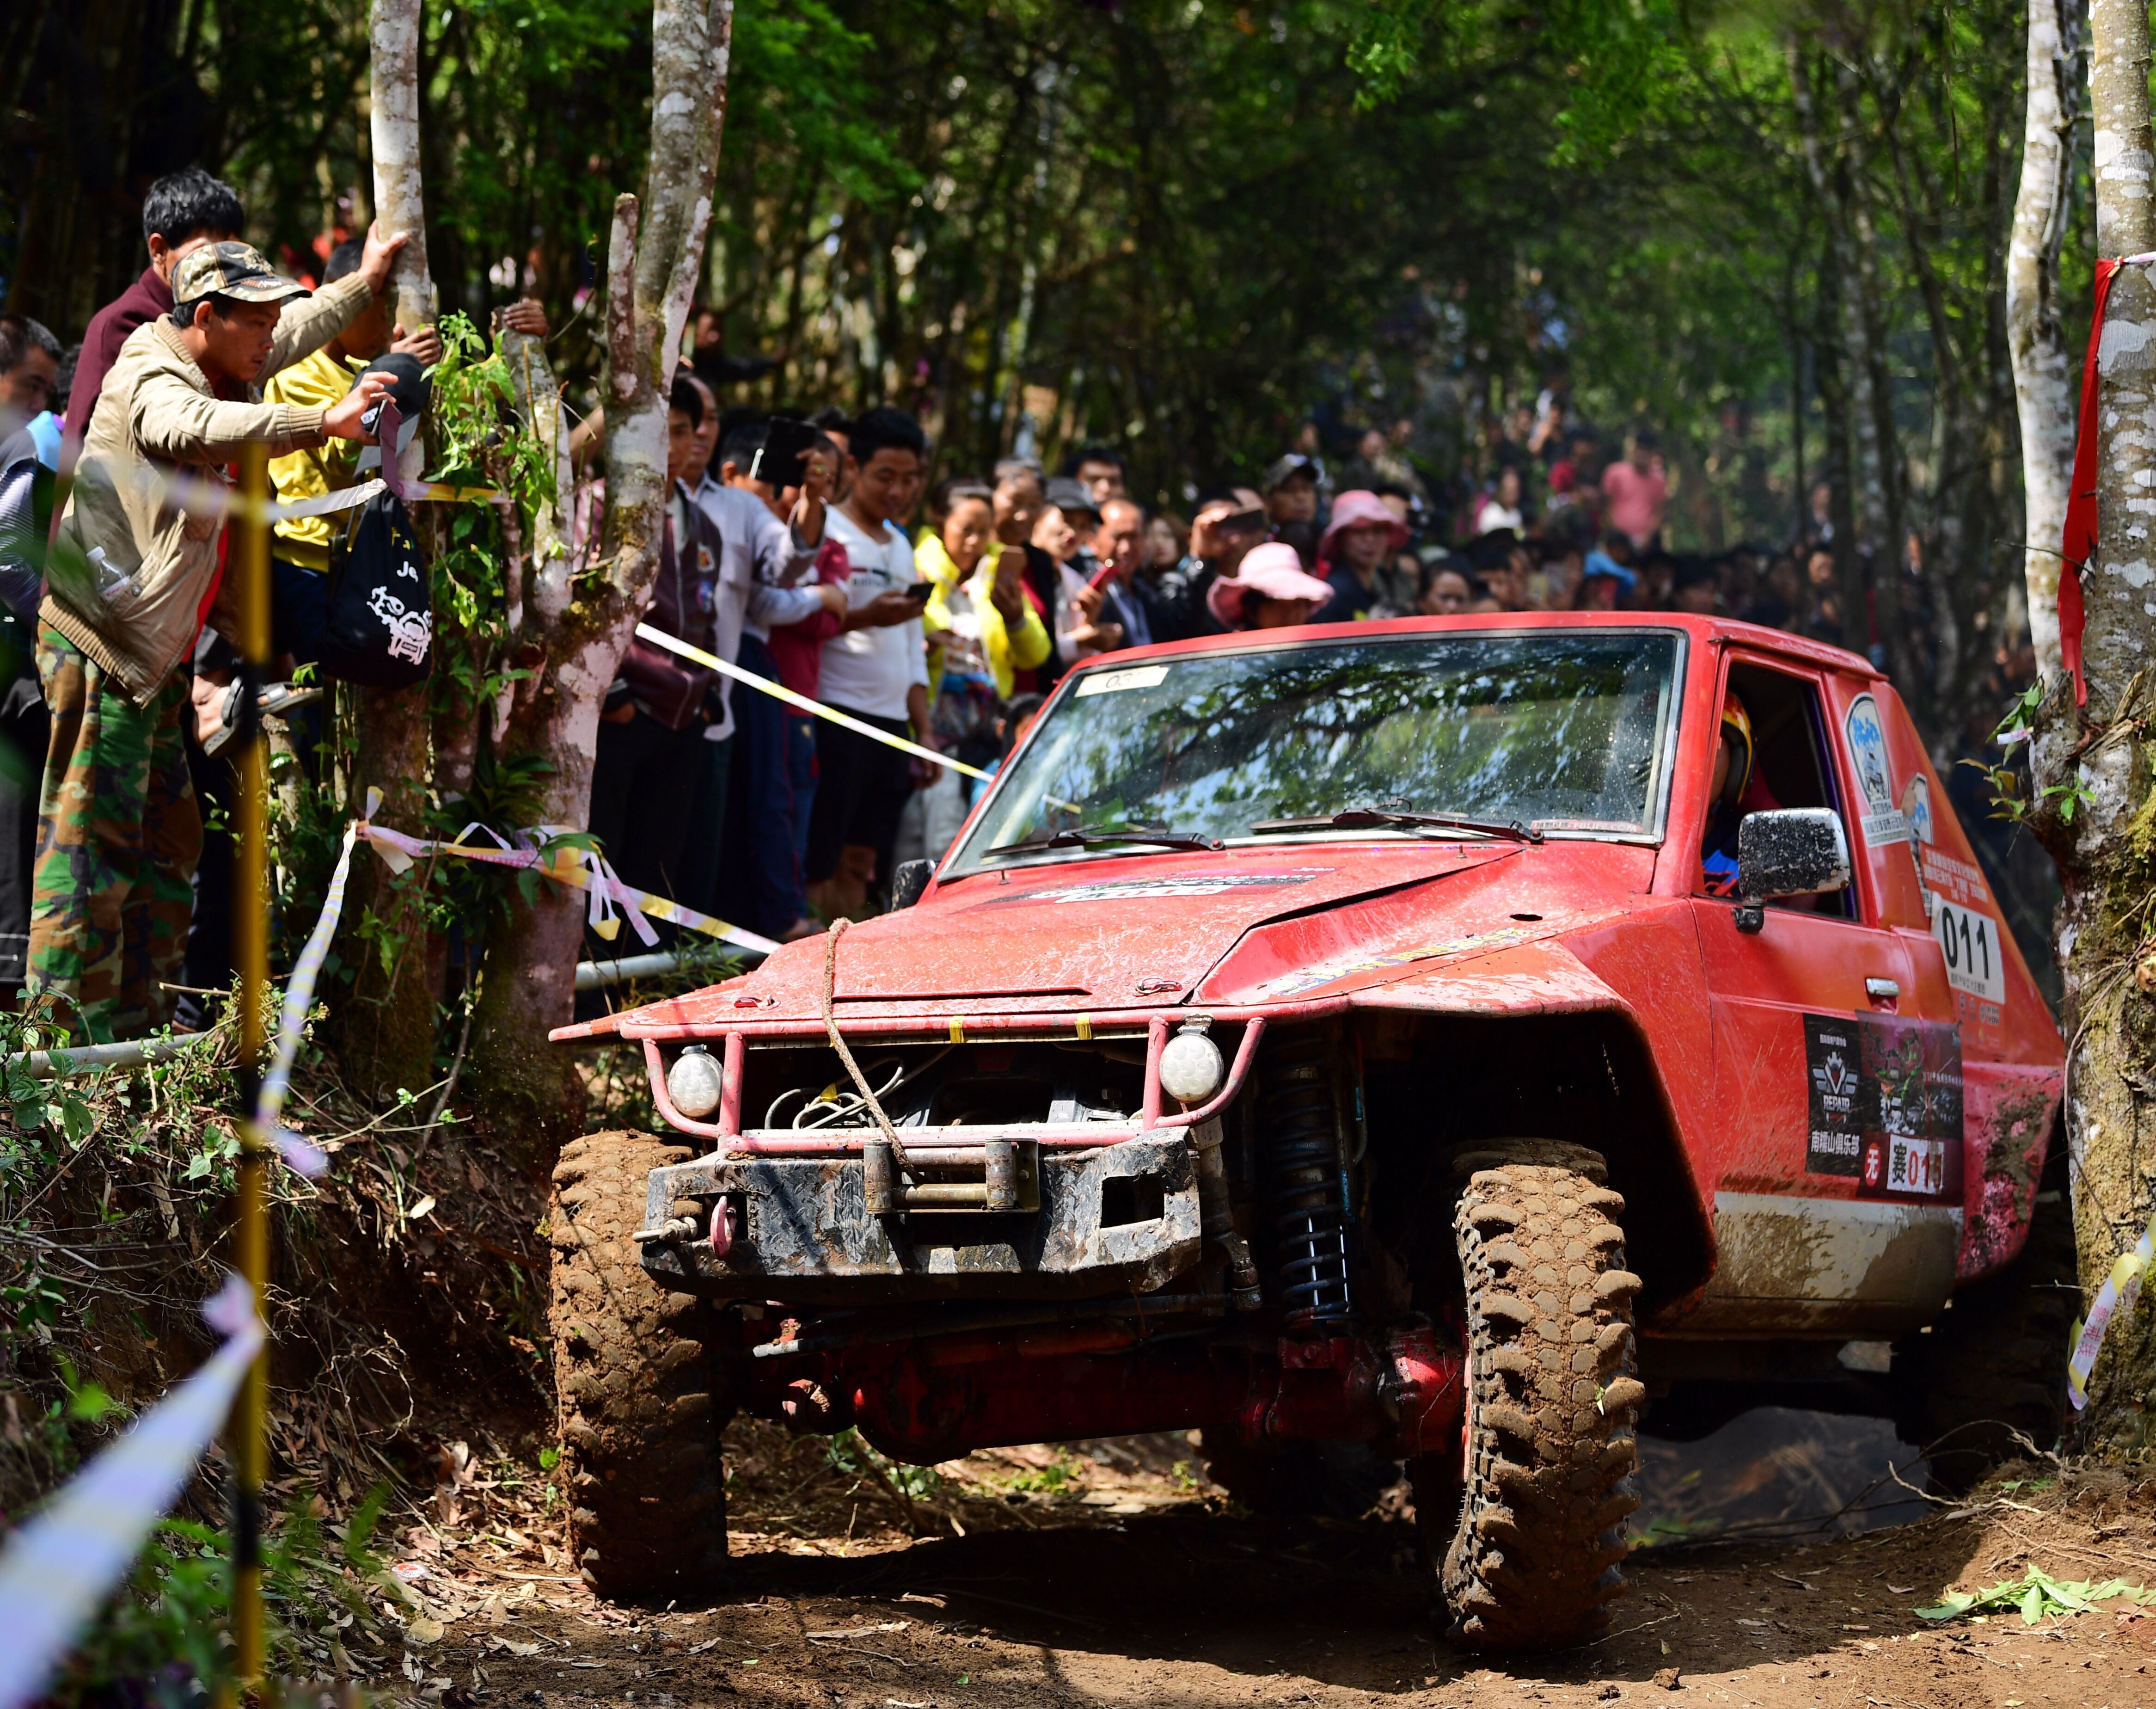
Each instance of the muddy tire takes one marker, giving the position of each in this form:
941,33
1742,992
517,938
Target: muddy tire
1298,1479
636,1399
1994,1367
1551,1402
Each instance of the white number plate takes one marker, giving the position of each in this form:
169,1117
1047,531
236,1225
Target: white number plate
1969,940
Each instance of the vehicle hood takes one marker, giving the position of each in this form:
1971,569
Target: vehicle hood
1240,928
1107,933
1500,921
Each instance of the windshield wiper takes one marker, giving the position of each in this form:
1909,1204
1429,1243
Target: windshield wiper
1092,836
1370,818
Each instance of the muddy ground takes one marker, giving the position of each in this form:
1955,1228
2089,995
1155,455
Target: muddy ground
1112,1572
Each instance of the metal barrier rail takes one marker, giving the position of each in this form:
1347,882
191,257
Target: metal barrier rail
64,1062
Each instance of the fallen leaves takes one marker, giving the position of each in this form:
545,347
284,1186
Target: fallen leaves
2037,1595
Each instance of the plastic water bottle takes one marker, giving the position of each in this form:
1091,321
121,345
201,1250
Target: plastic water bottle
112,579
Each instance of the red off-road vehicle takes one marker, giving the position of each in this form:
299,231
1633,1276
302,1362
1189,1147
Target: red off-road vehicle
1443,1041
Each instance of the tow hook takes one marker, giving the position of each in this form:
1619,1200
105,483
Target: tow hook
687,1224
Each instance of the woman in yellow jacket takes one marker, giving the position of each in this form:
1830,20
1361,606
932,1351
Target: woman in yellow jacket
981,628
978,616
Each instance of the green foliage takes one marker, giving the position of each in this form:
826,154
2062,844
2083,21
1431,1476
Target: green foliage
850,1452
169,1626
2004,779
2037,1595
1054,1479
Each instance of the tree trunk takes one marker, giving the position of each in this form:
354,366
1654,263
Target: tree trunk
2104,850
577,619
386,1031
393,129
2043,376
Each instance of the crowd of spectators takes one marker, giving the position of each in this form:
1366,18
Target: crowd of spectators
811,552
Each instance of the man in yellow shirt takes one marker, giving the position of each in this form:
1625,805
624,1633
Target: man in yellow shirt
301,560
298,594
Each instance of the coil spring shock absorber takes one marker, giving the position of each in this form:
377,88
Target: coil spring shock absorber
1310,1222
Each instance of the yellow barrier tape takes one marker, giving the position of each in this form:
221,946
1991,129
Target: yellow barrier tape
709,661
581,869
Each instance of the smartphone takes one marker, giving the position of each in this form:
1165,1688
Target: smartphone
1243,521
1100,578
921,590
779,461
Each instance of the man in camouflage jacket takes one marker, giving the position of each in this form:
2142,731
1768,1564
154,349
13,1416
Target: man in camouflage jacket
136,566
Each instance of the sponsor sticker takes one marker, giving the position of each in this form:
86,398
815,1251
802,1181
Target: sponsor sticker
1917,1166
1884,1101
1115,682
1917,808
1181,884
1883,822
1833,1063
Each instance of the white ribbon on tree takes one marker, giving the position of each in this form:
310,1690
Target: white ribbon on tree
60,1566
585,869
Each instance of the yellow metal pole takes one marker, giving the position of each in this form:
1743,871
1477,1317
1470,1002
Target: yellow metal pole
250,958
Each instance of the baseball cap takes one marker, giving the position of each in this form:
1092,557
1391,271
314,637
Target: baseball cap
229,269
1285,470
1072,497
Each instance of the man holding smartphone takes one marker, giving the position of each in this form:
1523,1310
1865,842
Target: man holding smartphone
875,668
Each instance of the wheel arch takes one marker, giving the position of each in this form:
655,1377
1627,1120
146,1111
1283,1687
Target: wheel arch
1437,1082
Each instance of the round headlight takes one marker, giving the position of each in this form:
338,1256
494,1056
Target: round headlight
1190,1067
694,1083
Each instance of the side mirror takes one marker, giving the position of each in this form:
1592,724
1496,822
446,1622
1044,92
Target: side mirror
907,883
1795,852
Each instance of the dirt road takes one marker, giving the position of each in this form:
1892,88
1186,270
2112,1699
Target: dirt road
1119,1577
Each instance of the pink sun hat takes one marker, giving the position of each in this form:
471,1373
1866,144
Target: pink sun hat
1271,572
1357,508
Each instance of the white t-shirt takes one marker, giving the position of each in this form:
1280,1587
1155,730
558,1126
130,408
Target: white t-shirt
1496,514
869,670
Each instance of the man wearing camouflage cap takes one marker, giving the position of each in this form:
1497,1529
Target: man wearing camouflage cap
136,567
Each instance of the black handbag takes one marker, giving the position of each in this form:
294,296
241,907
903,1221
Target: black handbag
379,628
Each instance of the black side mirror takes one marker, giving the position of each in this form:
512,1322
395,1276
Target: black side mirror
909,881
1795,852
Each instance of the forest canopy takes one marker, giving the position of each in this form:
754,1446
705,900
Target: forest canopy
1186,227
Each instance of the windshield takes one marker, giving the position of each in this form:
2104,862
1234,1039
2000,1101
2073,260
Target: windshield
1561,730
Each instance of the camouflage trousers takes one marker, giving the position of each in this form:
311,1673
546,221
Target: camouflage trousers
119,833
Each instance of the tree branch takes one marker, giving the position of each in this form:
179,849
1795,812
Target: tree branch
622,365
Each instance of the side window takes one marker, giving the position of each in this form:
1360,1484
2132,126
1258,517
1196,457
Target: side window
1792,765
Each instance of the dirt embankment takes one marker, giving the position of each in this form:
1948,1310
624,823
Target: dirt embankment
1113,1573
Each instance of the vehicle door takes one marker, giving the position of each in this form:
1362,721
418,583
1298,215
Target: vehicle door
1970,981
1817,1071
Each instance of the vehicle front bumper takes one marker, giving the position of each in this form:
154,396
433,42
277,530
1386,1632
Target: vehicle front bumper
798,1228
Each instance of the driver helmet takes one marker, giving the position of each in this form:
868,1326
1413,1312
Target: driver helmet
1737,727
